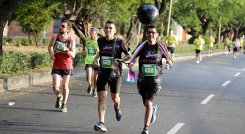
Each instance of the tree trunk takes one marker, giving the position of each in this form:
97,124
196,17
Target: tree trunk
7,7
205,27
235,33
36,39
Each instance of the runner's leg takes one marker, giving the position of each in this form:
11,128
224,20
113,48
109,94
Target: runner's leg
65,87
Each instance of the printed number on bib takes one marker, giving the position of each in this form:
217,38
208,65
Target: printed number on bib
91,51
149,69
58,45
107,62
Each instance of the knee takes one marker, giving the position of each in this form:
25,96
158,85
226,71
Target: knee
148,104
102,97
56,88
65,87
115,97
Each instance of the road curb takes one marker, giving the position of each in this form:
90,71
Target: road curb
1,85
22,81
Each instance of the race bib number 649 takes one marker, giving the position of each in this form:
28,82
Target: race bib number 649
107,62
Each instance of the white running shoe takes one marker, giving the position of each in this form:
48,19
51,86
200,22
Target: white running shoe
100,127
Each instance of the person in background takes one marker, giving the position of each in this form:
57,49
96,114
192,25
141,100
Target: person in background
236,45
199,42
62,52
171,41
210,42
90,49
227,45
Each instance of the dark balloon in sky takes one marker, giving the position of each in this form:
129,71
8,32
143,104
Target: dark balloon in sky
147,13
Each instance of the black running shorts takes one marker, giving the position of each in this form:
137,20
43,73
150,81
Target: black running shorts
148,89
171,49
197,51
104,82
61,72
91,66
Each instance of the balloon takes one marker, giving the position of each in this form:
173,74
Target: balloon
147,13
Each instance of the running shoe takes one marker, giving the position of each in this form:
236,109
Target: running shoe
100,127
95,94
58,101
154,113
90,89
63,108
145,131
118,113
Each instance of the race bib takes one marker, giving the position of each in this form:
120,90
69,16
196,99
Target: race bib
107,62
91,51
58,46
149,69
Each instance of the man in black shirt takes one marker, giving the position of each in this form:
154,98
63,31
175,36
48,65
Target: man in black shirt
110,72
150,55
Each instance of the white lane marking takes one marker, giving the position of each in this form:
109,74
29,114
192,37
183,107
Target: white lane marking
237,74
226,83
205,101
176,128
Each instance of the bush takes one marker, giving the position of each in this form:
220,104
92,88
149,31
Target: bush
40,60
25,42
19,63
12,63
46,41
78,59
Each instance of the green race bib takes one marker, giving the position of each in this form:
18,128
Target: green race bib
91,51
58,45
107,62
149,69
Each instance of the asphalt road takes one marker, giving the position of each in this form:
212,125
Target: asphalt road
204,98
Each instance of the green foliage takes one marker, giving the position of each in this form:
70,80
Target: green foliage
35,15
12,63
192,14
79,59
40,60
24,41
46,41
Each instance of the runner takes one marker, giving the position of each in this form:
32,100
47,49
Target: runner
90,49
210,43
110,72
171,41
150,54
236,45
227,45
62,52
199,42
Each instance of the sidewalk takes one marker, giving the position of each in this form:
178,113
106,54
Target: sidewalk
21,81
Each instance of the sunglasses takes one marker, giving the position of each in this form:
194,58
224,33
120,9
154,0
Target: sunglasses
151,32
63,26
108,27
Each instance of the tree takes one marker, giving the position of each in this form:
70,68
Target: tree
85,13
203,17
7,8
35,15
